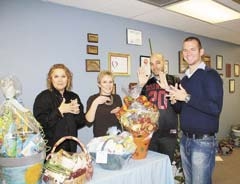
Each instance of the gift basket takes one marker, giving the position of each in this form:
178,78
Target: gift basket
139,117
22,145
112,151
66,168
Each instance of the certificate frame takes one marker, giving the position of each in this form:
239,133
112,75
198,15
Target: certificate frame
145,64
134,37
119,64
231,85
219,62
236,70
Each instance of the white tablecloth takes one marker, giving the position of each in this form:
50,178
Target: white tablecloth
154,169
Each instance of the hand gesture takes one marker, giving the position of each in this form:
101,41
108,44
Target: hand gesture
72,107
176,93
142,76
163,81
102,99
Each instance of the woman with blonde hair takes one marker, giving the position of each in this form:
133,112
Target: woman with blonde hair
101,107
58,109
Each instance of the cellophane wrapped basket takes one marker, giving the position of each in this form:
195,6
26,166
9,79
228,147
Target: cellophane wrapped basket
113,150
67,168
22,145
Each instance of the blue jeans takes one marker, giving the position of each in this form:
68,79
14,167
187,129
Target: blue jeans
198,159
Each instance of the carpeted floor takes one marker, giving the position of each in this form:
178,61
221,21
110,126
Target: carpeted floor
228,170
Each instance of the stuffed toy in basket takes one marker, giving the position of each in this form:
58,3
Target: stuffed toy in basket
111,152
64,168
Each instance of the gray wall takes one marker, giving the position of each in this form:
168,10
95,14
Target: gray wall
34,35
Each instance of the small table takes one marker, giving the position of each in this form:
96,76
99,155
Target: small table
154,169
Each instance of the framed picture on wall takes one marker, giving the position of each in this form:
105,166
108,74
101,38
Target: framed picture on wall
236,70
207,60
134,37
92,37
219,62
228,70
119,64
231,86
92,49
182,63
92,65
145,64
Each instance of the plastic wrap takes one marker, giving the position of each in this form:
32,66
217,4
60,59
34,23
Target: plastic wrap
20,134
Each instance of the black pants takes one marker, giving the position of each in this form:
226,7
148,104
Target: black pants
164,145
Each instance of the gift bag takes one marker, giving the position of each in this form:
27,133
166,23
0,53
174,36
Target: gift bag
64,168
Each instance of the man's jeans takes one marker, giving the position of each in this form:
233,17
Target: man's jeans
198,159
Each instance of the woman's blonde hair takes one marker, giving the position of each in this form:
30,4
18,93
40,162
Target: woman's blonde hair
67,71
104,73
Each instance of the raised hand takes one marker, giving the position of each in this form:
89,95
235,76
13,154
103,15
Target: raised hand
142,76
163,80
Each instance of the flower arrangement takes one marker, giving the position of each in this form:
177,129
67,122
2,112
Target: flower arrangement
138,116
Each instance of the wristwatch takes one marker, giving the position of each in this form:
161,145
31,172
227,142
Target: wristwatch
187,98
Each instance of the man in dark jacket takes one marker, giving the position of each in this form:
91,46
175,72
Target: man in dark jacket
164,140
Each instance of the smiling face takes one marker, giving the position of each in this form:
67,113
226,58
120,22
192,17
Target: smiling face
59,79
192,52
106,85
157,64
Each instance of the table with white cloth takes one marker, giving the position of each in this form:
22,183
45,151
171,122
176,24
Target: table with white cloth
154,169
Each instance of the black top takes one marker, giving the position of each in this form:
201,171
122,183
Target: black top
45,110
168,121
103,118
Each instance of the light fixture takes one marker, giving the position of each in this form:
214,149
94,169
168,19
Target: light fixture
206,10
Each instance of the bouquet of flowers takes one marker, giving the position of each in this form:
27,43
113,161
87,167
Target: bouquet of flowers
138,116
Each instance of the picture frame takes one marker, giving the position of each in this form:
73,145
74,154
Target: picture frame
228,70
219,62
134,37
92,49
231,85
166,66
145,64
92,65
207,60
236,70
183,65
91,37
119,64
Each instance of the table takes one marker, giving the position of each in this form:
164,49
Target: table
154,169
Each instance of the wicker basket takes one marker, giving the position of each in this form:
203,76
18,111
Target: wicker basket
56,173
